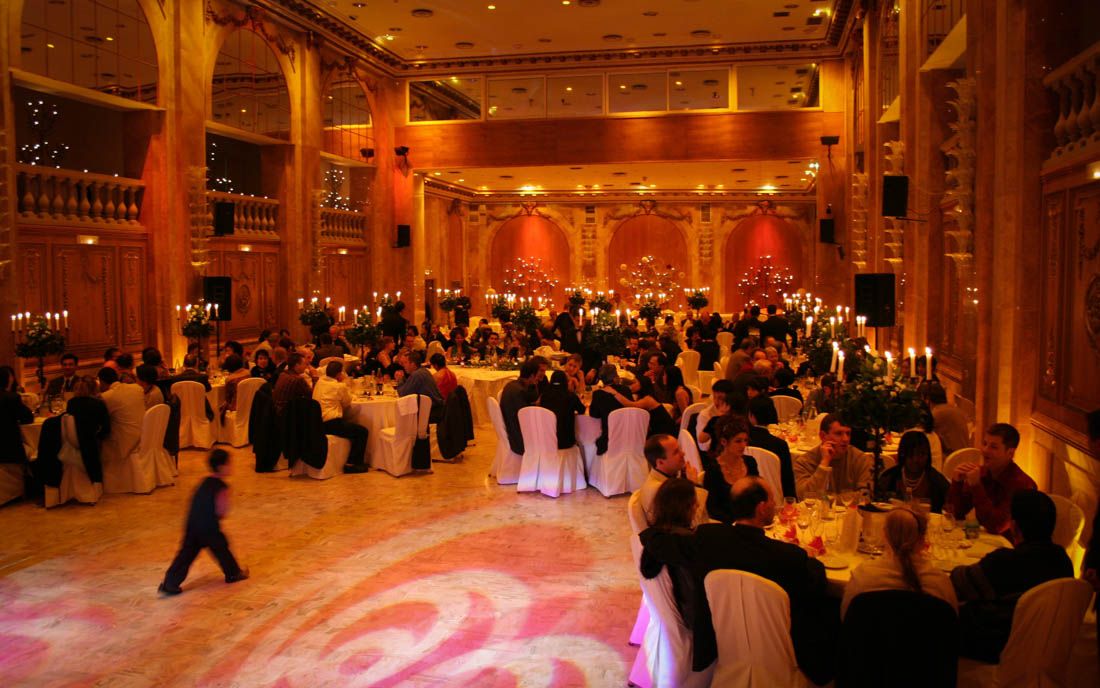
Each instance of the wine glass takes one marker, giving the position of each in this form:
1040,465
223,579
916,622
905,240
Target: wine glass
947,521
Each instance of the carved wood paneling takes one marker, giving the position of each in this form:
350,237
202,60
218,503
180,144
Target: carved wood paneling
1081,313
33,277
132,296
85,282
244,269
267,297
1050,321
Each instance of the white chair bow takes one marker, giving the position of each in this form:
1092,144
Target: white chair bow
397,442
752,622
690,412
691,450
338,450
725,344
233,428
668,642
506,463
195,429
434,347
546,468
623,468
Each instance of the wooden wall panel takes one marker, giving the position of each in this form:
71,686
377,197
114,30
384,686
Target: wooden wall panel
1081,310
270,307
35,269
85,282
132,297
245,270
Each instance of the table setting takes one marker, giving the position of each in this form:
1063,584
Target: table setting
373,405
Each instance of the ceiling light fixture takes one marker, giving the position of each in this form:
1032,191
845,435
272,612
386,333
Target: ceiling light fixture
492,7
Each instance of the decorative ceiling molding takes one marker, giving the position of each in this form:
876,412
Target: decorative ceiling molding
799,212
253,19
646,206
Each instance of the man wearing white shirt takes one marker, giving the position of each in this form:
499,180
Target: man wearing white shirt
126,407
335,398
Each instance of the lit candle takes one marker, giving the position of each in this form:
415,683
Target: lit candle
20,322
832,364
355,315
379,311
832,325
840,367
927,363
912,362
342,310
398,295
301,302
215,310
13,322
845,311
327,299
889,364
809,325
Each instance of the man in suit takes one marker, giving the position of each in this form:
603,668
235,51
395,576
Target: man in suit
745,547
666,460
604,402
64,383
394,324
775,326
519,394
126,408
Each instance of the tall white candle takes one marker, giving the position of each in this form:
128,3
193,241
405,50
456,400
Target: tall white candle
840,367
832,363
927,363
912,362
66,314
832,325
889,364
809,325
13,322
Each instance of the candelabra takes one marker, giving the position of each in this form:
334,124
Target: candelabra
39,336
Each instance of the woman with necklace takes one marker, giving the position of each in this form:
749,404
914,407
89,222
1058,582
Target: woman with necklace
726,465
914,476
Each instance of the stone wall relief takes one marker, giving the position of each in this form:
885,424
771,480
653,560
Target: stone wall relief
254,19
893,230
857,220
960,177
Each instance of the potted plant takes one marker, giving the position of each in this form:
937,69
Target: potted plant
501,310
697,300
576,299
39,341
604,336
364,333
314,316
197,327
526,319
600,301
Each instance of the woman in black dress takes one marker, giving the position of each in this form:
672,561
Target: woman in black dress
726,464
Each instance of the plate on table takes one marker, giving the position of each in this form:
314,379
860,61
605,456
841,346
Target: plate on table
832,561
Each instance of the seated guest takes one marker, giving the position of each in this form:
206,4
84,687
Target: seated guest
413,340
520,348
762,414
949,421
673,511
445,378
545,347
914,476
438,335
231,347
459,351
784,384
147,381
189,373
150,355
126,407
93,423
234,366
268,341
990,589
834,465
64,383
279,355
517,395
413,378
739,359
327,348
386,357
198,353
604,402
264,367
725,464
745,547
706,420
666,343
680,396
125,363
565,405
490,348
660,421
12,414
988,488
574,374
338,340
109,357
666,462
335,399
823,399
291,383
904,566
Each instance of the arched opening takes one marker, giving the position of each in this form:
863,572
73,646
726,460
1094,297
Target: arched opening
346,118
751,240
249,91
640,236
525,238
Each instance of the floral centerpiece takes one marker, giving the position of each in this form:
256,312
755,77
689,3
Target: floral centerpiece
600,301
697,299
872,399
386,303
604,335
526,319
818,345
501,310
364,332
197,324
576,299
315,316
448,301
649,310
39,341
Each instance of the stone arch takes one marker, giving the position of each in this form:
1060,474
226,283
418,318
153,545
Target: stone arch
347,109
526,236
752,238
646,235
255,71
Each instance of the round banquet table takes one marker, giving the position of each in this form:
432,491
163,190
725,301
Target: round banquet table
480,384
216,395
375,414
948,550
31,434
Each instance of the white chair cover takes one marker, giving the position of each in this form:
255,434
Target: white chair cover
434,347
1068,528
233,429
149,465
769,466
325,361
546,468
11,481
786,407
725,344
752,621
696,392
195,429
688,361
506,463
691,411
719,374
623,468
959,457
397,442
635,514
338,451
691,450
588,431
1045,627
668,643
75,483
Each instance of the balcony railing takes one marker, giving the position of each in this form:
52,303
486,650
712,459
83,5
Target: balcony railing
940,16
251,216
1077,85
48,194
343,225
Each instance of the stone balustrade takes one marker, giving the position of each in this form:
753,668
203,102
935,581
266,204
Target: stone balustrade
343,225
49,194
1077,85
252,216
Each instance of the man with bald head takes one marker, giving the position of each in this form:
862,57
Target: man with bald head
745,546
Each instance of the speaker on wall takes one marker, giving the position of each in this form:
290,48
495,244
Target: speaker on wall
223,218
828,230
895,195
403,237
875,298
219,290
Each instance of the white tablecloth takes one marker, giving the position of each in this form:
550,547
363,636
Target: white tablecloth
480,384
31,434
216,396
374,414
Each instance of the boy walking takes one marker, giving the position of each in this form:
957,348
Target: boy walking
209,505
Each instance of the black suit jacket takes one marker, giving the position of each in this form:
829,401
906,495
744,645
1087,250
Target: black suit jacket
12,414
515,396
760,437
715,546
565,405
93,423
603,403
59,385
775,326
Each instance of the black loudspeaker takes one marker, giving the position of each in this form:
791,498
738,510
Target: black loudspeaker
895,195
875,298
828,231
219,290
403,237
223,218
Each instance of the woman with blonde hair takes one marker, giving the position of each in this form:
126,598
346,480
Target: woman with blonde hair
904,566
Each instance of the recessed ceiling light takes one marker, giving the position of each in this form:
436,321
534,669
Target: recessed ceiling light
361,5
419,13
438,174
464,45
492,7
566,2
568,88
461,180
679,83
49,45
622,85
700,33
613,37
